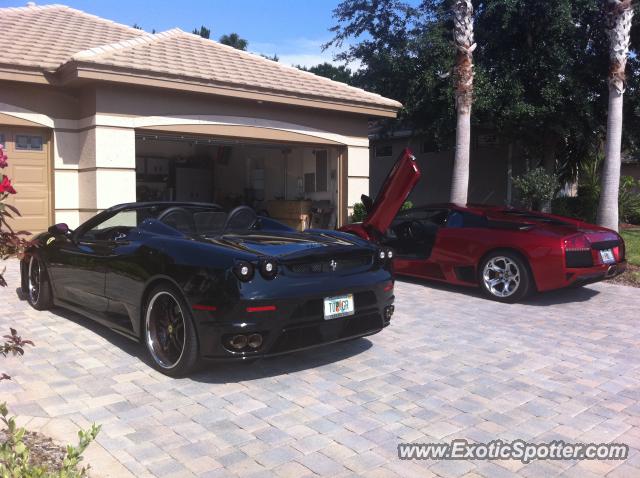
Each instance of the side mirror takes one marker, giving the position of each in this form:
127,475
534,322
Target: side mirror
367,202
59,229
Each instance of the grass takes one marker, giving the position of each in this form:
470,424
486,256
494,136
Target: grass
631,238
632,242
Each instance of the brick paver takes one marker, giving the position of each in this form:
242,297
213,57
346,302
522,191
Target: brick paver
563,365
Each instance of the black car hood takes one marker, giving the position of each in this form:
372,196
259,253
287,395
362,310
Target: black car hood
287,245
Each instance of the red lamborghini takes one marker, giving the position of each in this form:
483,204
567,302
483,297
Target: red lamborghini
507,252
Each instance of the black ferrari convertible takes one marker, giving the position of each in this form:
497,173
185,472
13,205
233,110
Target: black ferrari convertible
191,281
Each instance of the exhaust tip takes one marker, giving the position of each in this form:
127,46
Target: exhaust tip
611,271
388,312
238,342
255,341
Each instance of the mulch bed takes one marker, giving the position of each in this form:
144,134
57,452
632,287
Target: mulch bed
42,450
630,277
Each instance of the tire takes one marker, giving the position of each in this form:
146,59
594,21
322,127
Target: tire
38,289
169,333
504,276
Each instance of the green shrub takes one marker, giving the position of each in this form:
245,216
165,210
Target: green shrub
629,200
360,213
15,457
585,205
568,207
589,193
536,188
581,207
589,187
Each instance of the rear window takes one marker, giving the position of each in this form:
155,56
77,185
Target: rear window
531,216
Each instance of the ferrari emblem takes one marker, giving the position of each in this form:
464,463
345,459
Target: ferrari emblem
333,264
50,240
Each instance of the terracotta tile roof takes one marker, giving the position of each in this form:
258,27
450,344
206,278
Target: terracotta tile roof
48,37
181,54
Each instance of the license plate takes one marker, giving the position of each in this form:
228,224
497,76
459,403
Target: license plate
607,256
341,306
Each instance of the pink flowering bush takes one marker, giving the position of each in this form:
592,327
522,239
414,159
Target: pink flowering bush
12,243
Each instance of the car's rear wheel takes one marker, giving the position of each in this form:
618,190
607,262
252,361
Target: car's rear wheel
38,287
169,332
504,276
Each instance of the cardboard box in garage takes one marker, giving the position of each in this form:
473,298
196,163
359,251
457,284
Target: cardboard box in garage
296,214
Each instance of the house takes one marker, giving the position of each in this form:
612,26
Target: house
493,165
94,113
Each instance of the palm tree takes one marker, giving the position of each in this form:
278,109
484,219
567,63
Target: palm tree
463,77
619,14
234,40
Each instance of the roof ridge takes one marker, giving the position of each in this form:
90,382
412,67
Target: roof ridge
107,48
31,8
36,8
286,67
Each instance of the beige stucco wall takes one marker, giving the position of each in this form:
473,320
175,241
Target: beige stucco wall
146,102
94,135
488,178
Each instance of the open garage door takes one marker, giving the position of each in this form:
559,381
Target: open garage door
30,173
294,183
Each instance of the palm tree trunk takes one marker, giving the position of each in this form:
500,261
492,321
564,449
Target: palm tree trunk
619,16
610,179
460,177
463,37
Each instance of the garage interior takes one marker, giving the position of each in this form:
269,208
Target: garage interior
294,183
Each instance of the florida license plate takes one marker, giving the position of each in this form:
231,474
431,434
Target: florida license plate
607,256
341,306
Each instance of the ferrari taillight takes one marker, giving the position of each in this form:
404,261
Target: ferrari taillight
578,242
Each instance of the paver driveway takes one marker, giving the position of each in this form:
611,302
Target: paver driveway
452,365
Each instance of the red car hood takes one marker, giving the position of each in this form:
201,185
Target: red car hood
394,192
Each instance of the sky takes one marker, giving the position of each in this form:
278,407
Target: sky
293,30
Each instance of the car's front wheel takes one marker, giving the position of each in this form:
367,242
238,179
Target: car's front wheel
504,276
38,287
169,332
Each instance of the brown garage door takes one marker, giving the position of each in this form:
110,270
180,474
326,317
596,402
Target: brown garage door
29,170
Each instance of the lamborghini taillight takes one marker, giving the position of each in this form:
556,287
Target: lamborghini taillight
577,251
621,251
577,243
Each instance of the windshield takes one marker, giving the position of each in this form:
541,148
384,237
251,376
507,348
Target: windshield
188,219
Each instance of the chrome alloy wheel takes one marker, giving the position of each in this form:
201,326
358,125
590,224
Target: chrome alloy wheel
164,325
501,276
34,280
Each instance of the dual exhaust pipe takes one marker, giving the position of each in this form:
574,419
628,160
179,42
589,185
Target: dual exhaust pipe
243,341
